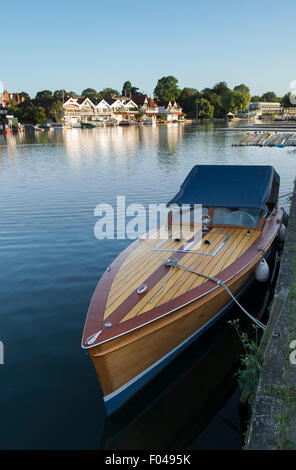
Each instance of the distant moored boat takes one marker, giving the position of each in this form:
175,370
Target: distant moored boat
87,125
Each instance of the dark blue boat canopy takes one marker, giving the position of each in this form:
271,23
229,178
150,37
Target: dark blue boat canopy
238,186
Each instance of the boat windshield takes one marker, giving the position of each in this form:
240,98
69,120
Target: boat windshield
235,216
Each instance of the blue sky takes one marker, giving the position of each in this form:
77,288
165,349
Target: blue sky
75,44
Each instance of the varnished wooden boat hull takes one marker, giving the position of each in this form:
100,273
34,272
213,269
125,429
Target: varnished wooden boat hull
128,354
124,365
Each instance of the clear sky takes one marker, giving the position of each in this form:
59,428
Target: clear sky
75,44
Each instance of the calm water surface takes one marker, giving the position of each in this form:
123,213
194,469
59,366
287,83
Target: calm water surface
50,184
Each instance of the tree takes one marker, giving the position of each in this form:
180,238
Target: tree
167,89
90,93
269,97
136,91
286,100
215,100
60,94
220,88
39,114
108,94
188,100
31,114
127,88
56,111
24,95
13,109
206,93
235,101
229,102
43,94
242,99
255,98
242,88
205,109
71,94
224,100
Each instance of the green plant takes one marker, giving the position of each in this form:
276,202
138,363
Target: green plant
248,374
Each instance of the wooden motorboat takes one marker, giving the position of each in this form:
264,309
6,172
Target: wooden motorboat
159,295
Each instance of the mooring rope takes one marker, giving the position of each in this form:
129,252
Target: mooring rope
174,264
163,285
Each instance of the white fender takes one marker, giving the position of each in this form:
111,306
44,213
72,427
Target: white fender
262,271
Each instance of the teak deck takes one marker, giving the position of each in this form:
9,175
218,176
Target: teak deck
144,262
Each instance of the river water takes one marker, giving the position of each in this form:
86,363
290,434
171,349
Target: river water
50,184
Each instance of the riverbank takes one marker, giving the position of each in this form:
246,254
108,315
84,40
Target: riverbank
273,422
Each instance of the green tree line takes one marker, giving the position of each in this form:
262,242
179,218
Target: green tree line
207,103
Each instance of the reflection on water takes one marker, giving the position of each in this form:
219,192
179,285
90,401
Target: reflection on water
170,146
109,143
51,262
113,143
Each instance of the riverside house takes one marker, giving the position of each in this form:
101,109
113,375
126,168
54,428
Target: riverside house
77,110
171,110
6,98
123,109
265,107
152,108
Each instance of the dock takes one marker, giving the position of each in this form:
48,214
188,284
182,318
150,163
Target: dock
273,421
267,139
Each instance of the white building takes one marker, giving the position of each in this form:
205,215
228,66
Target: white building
153,108
77,110
263,107
171,110
103,110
